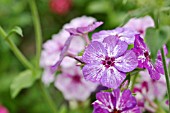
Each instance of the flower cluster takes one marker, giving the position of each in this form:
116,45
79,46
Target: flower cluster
70,73
107,60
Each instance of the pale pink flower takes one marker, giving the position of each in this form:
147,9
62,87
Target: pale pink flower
140,24
72,84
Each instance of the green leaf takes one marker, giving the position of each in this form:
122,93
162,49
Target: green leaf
24,80
155,38
16,30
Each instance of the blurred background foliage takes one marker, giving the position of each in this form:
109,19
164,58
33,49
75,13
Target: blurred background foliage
13,13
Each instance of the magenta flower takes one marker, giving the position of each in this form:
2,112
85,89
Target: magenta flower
115,102
108,62
72,84
140,24
144,60
123,34
3,109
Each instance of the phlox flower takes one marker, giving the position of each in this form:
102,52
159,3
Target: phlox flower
108,62
144,60
140,24
115,102
80,31
51,53
72,84
123,34
147,90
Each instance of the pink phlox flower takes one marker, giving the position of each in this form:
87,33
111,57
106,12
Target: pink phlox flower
140,24
108,62
115,102
147,90
51,54
144,60
84,28
72,84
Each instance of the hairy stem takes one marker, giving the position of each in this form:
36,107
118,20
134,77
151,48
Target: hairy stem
16,51
166,74
38,32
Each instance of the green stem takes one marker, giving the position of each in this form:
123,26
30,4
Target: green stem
16,51
38,32
48,98
166,74
134,81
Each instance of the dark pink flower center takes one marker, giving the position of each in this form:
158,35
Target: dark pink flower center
115,111
141,31
146,54
76,78
108,62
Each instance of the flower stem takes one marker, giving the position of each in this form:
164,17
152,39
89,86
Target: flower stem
79,59
133,81
166,74
38,32
16,51
86,37
47,97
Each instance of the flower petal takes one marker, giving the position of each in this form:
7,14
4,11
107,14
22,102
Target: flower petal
95,52
139,43
89,28
153,72
127,101
124,34
127,62
62,54
98,109
47,77
112,78
107,99
114,46
93,72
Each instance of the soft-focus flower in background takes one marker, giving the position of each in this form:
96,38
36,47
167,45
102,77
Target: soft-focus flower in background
51,53
53,48
60,6
73,30
108,62
115,102
73,85
140,24
123,34
3,109
147,90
